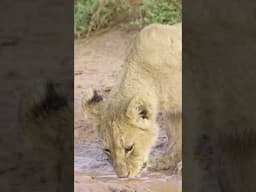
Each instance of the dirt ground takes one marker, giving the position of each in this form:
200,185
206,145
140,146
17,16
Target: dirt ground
98,61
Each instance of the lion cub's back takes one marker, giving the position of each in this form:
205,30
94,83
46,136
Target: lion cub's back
160,46
159,57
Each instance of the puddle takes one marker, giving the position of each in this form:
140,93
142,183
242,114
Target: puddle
94,173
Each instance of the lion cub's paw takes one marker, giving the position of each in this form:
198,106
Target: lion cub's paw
165,162
161,163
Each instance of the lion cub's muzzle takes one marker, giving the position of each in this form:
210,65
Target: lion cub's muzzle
129,174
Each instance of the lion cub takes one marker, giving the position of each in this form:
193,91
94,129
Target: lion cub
151,81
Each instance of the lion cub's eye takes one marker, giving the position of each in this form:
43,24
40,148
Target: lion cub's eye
107,151
128,148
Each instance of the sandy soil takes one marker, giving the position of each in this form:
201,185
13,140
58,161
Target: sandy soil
98,61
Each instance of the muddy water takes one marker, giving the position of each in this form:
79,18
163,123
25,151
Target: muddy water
94,173
103,181
111,183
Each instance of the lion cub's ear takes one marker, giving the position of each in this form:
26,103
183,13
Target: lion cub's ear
91,103
141,111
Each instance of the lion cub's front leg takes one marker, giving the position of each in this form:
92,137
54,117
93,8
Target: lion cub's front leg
172,159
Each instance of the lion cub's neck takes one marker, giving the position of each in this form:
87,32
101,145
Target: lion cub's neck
133,81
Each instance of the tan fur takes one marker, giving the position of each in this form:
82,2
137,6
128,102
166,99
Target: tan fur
151,81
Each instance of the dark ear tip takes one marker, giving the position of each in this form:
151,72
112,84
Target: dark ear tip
95,98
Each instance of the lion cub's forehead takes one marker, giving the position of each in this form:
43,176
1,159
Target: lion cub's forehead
114,134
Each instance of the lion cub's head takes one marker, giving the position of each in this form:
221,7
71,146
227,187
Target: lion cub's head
127,129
